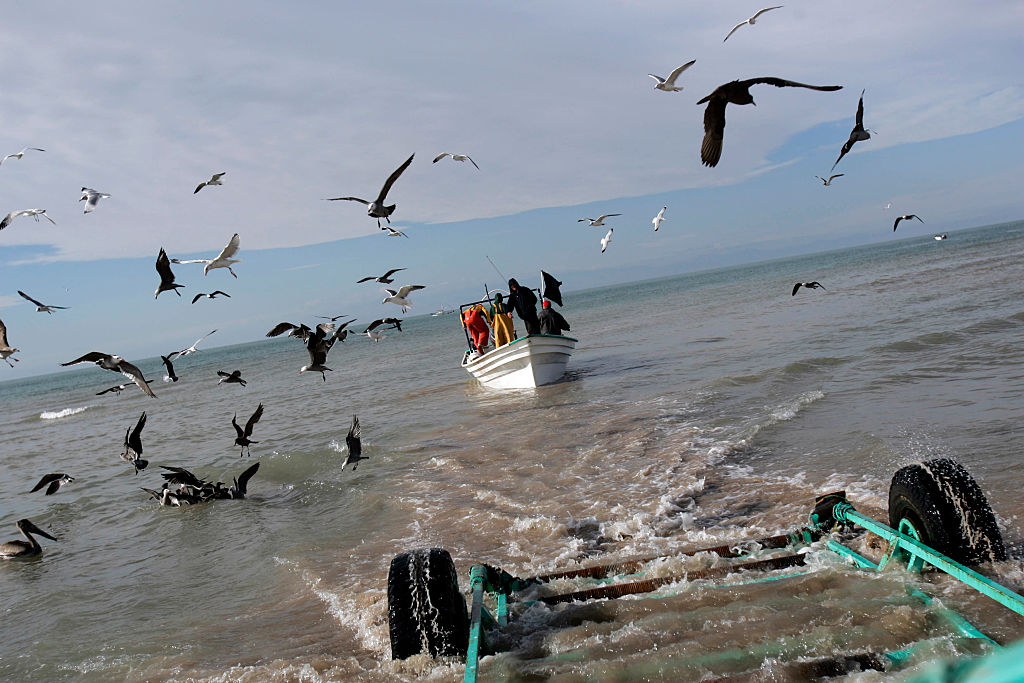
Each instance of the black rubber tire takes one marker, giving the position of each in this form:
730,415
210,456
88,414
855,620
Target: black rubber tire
948,510
426,611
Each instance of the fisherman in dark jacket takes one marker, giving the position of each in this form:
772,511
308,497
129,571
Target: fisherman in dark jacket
525,304
551,321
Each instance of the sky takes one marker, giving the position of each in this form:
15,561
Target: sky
301,101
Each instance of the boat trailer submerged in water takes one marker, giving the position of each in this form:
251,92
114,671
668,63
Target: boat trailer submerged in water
938,518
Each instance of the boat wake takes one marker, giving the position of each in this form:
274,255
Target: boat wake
57,414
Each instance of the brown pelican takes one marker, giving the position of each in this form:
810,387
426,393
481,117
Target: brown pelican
243,434
18,548
215,180
55,481
133,445
376,208
35,213
455,157
384,279
91,197
355,446
221,260
40,306
808,285
231,377
6,349
735,92
116,364
401,297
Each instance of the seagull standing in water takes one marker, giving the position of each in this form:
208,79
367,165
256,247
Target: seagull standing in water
735,92
808,285
215,180
55,481
19,548
905,218
163,269
133,445
19,155
91,197
669,84
35,213
599,221
40,306
401,297
115,364
243,434
6,349
752,20
606,240
455,157
222,260
355,446
376,208
858,133
659,219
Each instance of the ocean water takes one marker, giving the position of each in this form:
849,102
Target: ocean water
697,409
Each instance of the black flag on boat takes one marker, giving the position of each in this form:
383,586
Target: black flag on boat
551,286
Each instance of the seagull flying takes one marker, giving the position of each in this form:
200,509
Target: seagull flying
735,92
115,364
6,349
384,279
830,178
234,377
401,297
191,349
163,269
55,481
40,306
355,446
19,155
808,285
395,324
376,208
117,389
211,295
318,345
606,240
298,331
455,157
133,445
659,219
905,218
394,233
222,260
243,434
599,221
215,180
35,213
91,197
170,376
669,84
858,133
752,20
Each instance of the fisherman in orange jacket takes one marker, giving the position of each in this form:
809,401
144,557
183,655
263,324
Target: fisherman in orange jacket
474,319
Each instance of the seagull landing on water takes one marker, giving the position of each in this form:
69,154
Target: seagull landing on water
55,481
191,349
222,260
133,445
243,434
40,306
669,84
606,240
828,182
211,295
905,218
19,155
808,285
659,219
215,180
115,364
376,208
599,221
858,133
401,297
35,213
163,269
455,157
234,377
735,92
91,197
384,279
752,20
355,446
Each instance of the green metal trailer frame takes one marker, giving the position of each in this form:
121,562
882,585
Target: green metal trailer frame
832,512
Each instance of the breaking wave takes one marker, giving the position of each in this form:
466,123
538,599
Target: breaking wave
57,414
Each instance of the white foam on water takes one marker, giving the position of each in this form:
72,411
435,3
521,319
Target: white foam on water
57,414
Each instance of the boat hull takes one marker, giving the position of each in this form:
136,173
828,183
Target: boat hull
524,363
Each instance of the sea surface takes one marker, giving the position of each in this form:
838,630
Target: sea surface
698,409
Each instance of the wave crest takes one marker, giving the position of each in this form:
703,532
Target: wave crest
57,414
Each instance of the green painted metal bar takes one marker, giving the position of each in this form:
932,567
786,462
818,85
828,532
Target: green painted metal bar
840,549
954,619
502,611
844,512
477,578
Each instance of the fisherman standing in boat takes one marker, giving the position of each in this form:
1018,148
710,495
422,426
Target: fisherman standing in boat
551,321
500,317
525,304
473,318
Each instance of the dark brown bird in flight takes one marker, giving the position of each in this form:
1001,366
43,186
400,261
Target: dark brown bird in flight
905,218
858,133
735,92
808,285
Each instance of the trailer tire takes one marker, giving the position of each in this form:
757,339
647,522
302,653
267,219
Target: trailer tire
426,611
947,509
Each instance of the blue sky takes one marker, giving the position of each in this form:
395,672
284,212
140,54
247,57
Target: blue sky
307,100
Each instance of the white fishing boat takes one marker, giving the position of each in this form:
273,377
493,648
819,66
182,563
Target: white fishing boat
524,363
442,311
